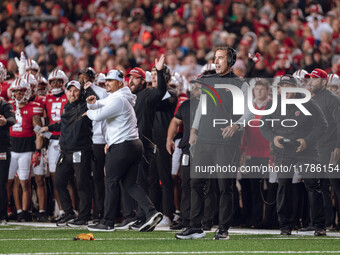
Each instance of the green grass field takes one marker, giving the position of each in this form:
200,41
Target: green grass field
16,239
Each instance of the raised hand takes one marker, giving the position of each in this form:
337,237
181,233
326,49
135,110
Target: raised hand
159,64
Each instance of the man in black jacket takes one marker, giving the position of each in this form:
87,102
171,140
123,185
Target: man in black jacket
296,146
7,119
330,105
162,195
75,156
216,145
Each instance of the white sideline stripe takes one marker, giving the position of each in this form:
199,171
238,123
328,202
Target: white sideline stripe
170,239
232,231
184,252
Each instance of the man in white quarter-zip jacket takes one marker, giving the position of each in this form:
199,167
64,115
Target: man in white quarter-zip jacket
124,153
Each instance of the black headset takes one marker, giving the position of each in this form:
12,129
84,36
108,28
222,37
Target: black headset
231,53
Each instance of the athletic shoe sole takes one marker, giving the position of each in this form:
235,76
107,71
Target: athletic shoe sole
226,238
101,230
192,236
152,222
125,227
75,226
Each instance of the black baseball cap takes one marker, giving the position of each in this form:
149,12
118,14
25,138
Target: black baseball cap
287,78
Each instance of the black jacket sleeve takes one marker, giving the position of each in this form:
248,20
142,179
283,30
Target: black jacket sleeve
54,127
9,114
319,124
334,105
90,92
156,94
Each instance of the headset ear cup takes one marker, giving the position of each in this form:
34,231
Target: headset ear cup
231,57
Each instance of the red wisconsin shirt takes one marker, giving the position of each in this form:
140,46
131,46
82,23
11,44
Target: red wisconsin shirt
41,100
54,108
4,87
23,126
253,143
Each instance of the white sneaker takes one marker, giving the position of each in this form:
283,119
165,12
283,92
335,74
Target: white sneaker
165,222
3,222
151,223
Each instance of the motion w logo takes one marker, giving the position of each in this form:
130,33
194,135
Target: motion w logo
204,97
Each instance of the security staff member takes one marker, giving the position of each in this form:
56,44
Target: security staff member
329,103
298,150
7,119
124,153
76,154
216,145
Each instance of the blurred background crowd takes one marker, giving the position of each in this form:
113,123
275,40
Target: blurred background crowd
72,35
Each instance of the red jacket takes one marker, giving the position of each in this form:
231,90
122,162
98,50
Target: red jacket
253,143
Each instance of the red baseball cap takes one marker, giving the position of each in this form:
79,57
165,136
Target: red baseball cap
317,73
137,72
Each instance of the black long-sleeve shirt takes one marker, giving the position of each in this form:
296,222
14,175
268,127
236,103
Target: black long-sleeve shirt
7,111
330,106
75,130
146,104
309,127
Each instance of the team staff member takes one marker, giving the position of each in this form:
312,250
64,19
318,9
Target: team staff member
76,154
124,153
216,145
330,106
145,108
300,150
87,77
183,116
7,119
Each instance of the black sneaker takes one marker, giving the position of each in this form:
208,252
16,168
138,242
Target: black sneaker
320,232
137,225
65,218
55,219
178,226
20,217
42,217
191,233
77,223
151,223
207,226
100,227
286,232
125,224
26,216
221,234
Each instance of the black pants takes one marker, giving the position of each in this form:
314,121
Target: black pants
186,193
228,155
129,205
4,168
284,192
161,171
251,193
122,167
98,164
210,203
324,158
82,172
